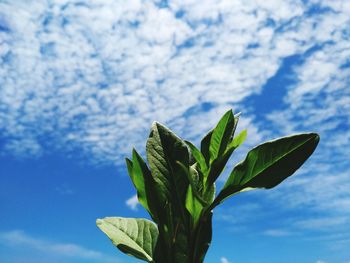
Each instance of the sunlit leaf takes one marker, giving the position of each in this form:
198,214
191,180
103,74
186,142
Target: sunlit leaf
221,136
135,237
165,151
198,156
269,164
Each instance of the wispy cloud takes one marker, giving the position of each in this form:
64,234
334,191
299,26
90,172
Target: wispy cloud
20,240
132,202
277,233
92,77
224,260
88,74
326,223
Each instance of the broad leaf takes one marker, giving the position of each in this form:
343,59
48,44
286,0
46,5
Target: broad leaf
135,237
221,136
218,165
198,156
209,194
138,170
205,143
196,178
194,202
193,205
238,140
164,153
269,164
164,150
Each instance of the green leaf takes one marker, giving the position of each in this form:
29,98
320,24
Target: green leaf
198,156
135,237
218,165
195,183
238,140
221,136
164,150
205,143
138,170
269,164
129,166
196,177
209,194
193,205
194,202
164,153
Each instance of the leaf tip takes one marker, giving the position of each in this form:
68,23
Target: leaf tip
99,221
317,136
156,124
229,112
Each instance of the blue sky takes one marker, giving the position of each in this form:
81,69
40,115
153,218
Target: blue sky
81,82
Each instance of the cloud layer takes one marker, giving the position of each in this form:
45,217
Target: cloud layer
47,249
90,78
94,76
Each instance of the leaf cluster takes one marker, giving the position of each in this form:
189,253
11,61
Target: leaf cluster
177,187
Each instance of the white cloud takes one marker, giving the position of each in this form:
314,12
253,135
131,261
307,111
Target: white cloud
326,223
93,77
150,63
132,202
224,260
309,191
21,240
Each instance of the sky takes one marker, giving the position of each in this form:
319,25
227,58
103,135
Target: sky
82,81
